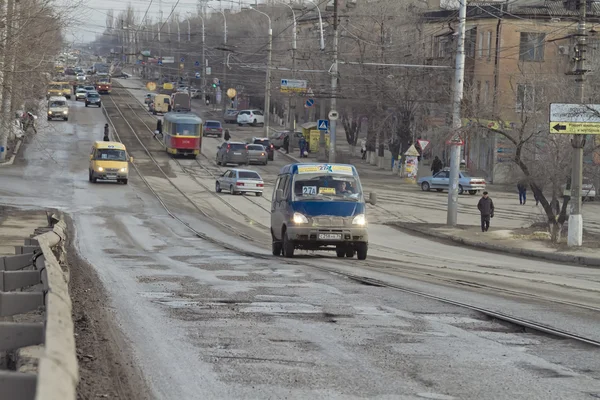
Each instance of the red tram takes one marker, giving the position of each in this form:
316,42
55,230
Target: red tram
182,133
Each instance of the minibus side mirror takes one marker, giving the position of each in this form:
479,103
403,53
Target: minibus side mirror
130,159
91,156
279,195
373,198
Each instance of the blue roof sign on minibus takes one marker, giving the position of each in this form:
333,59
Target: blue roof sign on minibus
325,168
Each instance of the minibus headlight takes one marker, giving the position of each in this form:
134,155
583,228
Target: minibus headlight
124,169
49,112
65,112
100,169
359,220
299,218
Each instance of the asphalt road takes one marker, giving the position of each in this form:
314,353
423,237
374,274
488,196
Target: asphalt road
206,322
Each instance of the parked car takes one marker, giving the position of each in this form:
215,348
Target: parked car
250,117
240,181
268,146
230,116
441,181
93,98
80,94
212,128
257,154
588,191
232,153
122,75
278,137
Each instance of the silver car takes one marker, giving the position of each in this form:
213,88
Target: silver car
278,137
232,153
257,154
80,94
240,181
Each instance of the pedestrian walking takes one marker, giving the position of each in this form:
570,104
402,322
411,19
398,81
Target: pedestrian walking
486,209
522,188
537,199
286,144
436,165
106,137
302,145
227,136
363,150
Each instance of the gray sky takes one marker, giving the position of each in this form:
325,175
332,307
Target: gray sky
92,14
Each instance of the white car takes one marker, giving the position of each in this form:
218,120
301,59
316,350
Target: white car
81,77
250,117
195,93
240,181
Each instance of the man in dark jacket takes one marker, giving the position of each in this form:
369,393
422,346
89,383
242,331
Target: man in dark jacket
436,165
286,144
486,208
106,137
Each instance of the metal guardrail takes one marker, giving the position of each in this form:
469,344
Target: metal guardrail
42,355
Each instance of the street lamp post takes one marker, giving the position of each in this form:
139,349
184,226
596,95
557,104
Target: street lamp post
225,43
268,79
322,154
292,99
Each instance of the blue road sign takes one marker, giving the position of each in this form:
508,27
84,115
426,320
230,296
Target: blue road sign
197,63
323,125
159,62
284,82
197,75
182,59
310,102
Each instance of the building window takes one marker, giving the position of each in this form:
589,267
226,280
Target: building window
489,45
532,46
480,45
527,95
442,46
478,94
470,37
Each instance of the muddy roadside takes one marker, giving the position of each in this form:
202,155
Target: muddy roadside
106,366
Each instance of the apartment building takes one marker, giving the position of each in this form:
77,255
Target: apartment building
518,57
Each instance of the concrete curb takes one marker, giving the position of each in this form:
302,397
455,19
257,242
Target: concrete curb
563,258
58,373
14,154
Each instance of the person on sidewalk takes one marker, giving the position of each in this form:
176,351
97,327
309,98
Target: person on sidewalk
486,209
286,144
106,137
522,188
363,150
302,145
227,136
436,165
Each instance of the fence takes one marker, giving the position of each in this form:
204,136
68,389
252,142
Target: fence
39,347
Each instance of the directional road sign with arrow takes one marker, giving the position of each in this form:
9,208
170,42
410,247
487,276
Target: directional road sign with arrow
575,128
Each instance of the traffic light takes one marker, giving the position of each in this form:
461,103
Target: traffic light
214,85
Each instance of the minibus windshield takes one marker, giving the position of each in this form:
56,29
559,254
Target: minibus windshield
326,187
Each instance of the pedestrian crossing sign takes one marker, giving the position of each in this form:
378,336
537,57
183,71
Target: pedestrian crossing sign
323,125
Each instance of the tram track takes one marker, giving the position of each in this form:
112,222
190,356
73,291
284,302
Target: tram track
378,266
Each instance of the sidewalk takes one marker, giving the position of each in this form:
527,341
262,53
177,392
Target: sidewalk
18,224
526,242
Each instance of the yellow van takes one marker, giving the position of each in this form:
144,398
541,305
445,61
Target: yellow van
109,161
67,89
161,104
55,89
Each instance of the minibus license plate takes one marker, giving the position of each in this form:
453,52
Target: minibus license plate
330,236
237,154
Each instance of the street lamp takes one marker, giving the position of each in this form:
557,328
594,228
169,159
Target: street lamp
320,23
268,80
292,100
203,74
224,42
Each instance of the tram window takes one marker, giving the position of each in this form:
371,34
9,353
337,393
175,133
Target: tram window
188,129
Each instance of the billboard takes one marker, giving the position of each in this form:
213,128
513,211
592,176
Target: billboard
168,60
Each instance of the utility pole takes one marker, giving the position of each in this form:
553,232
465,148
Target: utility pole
268,83
459,75
334,78
575,232
203,76
3,58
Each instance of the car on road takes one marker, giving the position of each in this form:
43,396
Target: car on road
268,146
319,207
232,153
93,99
122,75
212,128
195,93
58,108
90,88
257,154
278,137
588,190
183,89
441,181
240,181
80,94
109,161
81,77
250,117
230,116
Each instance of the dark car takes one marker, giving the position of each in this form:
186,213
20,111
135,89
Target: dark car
93,98
230,116
212,128
268,146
